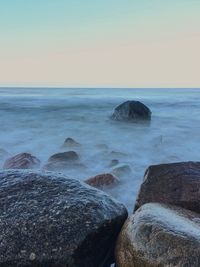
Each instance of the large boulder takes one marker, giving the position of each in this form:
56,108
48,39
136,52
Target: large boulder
174,183
50,220
22,161
131,111
160,236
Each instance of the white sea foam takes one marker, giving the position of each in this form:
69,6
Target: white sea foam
39,120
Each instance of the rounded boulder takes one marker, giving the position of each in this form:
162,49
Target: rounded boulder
52,220
158,235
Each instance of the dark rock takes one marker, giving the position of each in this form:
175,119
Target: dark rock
173,183
70,142
52,221
22,161
102,180
159,236
64,157
131,111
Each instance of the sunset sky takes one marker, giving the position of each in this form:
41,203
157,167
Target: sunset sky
100,43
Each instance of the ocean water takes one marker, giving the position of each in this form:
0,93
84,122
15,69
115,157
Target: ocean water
39,120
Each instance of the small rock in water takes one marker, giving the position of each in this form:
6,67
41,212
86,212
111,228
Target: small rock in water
64,157
102,180
131,111
121,170
173,183
64,161
51,220
159,236
22,161
70,142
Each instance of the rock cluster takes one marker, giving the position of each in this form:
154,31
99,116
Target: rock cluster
164,231
48,219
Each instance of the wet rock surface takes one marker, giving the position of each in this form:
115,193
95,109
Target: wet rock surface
51,220
22,161
173,183
131,111
102,180
159,236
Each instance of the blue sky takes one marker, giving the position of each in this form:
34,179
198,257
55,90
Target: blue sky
97,38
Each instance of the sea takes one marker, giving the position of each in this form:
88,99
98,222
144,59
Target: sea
38,120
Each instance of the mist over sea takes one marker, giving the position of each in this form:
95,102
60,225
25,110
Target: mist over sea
39,120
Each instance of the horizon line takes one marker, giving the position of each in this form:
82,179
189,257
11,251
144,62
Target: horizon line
90,87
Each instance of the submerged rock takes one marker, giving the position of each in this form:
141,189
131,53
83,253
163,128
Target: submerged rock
64,156
50,220
131,111
173,183
102,180
22,161
70,142
159,236
63,161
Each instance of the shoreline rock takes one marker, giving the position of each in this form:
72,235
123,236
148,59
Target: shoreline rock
159,235
51,220
173,183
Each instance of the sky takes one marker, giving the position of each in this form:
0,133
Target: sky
100,43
